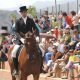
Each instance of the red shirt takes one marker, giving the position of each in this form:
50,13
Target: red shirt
56,31
69,20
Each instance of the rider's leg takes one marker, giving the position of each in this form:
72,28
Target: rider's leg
15,60
14,51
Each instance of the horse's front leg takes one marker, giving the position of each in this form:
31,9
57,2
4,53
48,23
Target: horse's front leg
23,77
36,76
13,78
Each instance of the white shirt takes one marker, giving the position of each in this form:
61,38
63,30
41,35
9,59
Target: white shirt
24,19
61,48
75,20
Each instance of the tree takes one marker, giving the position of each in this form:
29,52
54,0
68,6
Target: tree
32,11
13,17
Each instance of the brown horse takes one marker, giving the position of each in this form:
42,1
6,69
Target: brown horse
29,59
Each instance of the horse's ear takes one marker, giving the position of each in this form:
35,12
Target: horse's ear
22,34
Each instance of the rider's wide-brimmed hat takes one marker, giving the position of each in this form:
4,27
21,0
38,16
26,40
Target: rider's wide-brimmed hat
23,8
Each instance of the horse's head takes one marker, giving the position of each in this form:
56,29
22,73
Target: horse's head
29,39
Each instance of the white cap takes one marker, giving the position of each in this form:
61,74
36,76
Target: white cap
52,29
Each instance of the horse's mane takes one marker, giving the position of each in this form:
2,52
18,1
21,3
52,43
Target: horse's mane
31,44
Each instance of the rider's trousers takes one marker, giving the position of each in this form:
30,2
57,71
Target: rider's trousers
14,51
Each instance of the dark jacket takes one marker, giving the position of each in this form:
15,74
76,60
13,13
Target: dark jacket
24,28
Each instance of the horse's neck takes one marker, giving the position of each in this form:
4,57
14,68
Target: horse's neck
31,48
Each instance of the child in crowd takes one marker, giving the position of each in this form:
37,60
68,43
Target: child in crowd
71,63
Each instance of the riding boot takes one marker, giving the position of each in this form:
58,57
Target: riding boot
15,62
41,68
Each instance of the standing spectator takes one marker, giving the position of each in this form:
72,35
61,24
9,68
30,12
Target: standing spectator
74,19
41,25
79,21
60,18
46,24
68,19
63,23
42,18
37,25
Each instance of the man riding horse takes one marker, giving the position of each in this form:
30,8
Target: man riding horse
22,25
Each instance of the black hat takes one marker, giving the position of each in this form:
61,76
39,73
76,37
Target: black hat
23,8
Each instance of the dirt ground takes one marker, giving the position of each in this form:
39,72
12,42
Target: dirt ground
5,75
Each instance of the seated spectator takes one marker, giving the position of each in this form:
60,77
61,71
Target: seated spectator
42,46
56,32
54,57
68,28
52,33
67,37
72,60
75,39
49,53
78,46
61,62
61,46
75,36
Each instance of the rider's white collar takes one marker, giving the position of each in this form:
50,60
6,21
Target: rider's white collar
25,19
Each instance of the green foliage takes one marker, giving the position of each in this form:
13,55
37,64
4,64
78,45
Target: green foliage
32,11
13,16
